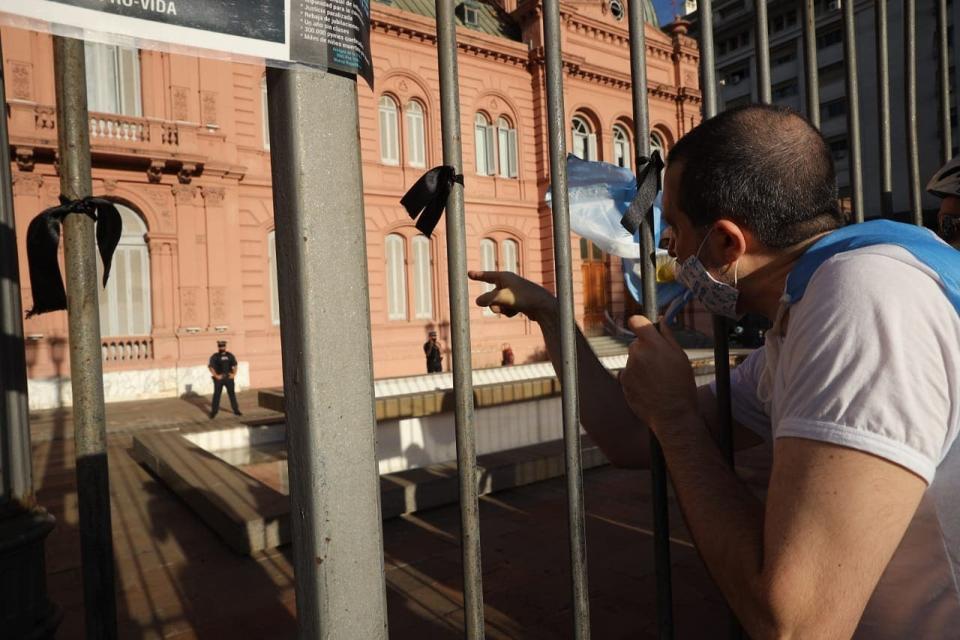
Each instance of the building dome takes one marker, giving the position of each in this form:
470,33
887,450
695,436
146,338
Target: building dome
650,13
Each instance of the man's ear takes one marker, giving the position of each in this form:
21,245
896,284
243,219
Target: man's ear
730,241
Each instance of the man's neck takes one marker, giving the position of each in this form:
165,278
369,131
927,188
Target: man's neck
762,289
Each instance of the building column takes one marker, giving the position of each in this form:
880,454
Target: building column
191,258
219,234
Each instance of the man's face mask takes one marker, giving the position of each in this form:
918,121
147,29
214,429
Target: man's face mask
718,297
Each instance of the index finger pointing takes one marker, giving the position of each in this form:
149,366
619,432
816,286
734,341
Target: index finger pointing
491,277
636,324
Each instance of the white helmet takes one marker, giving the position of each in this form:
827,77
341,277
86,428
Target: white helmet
946,181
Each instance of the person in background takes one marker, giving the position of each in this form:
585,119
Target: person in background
945,184
223,368
431,349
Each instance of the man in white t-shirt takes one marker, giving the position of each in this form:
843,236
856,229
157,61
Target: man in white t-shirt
856,394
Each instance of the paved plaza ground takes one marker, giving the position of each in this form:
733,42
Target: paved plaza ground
176,579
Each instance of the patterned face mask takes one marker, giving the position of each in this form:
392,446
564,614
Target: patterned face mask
718,297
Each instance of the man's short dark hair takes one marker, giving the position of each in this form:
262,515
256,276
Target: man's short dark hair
764,167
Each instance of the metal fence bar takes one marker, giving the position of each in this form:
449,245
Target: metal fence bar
721,348
946,134
335,518
810,68
86,369
910,78
16,478
853,109
708,74
762,37
658,466
460,325
883,84
557,127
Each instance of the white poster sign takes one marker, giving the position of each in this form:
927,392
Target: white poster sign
322,33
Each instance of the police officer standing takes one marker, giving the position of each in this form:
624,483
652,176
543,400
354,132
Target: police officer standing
223,368
431,349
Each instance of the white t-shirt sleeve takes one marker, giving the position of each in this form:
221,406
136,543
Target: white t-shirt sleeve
747,408
870,361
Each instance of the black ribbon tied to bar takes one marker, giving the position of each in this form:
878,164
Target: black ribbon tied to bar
648,186
43,241
427,198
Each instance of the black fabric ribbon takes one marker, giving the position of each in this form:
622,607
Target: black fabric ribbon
427,198
648,186
43,241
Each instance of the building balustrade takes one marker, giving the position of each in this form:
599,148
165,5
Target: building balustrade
33,127
126,349
118,127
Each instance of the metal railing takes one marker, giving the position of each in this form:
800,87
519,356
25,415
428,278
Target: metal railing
334,488
557,124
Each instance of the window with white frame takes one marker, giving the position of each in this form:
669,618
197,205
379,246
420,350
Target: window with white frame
488,262
415,287
484,140
389,131
125,301
621,146
414,135
274,291
265,124
113,79
507,146
510,252
657,144
422,280
584,139
396,278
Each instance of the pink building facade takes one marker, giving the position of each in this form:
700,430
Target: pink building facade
182,144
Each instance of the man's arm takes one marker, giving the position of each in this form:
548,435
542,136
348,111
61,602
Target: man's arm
604,411
806,565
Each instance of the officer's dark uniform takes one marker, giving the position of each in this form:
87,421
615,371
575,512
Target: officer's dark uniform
223,363
434,360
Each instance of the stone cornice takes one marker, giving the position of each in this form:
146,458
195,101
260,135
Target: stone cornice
576,67
421,29
615,36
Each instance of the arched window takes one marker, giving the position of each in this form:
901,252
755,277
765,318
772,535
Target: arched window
657,144
125,301
584,139
510,252
507,141
396,278
389,131
422,282
488,262
264,104
414,134
272,262
483,137
113,79
621,146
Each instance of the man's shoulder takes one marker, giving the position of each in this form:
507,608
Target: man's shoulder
863,283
